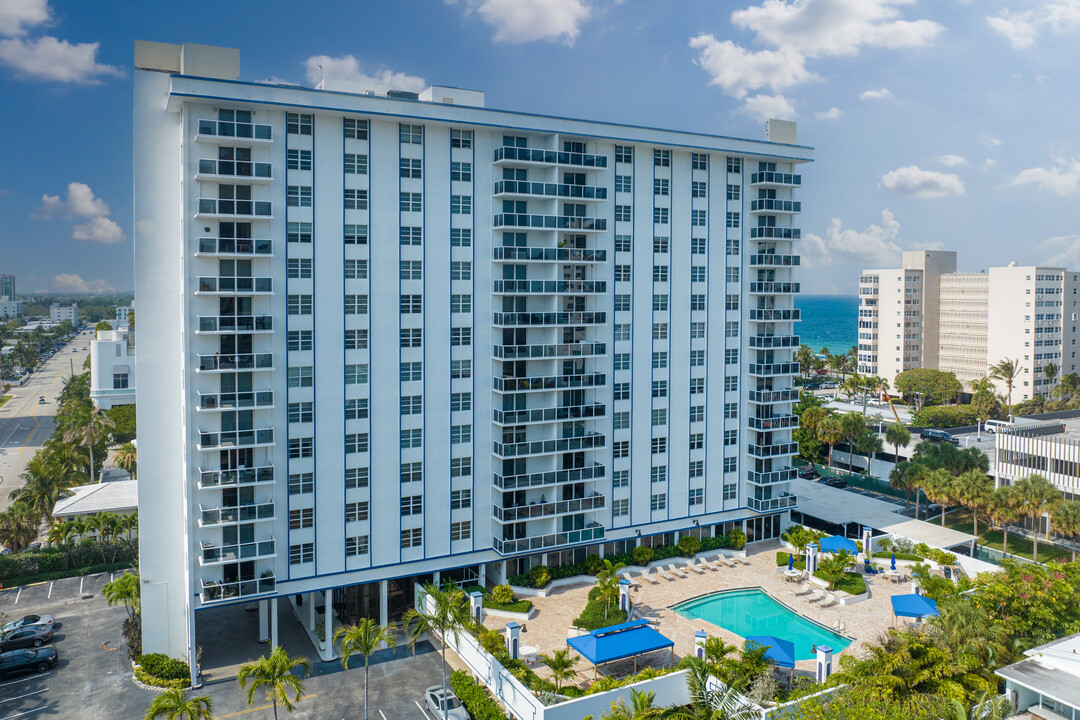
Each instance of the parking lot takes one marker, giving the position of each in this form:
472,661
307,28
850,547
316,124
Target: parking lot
92,679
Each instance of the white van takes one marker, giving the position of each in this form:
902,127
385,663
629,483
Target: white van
992,426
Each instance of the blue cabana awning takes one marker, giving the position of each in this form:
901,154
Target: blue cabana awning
835,543
915,606
618,642
781,652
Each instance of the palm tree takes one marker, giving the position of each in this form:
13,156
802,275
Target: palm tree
834,567
18,527
974,490
90,434
124,589
897,434
830,431
902,477
1003,511
1050,370
1067,521
1068,386
274,674
1006,371
710,699
940,487
966,628
128,524
1032,496
608,582
444,613
805,357
561,664
365,638
174,704
63,535
640,708
127,457
40,489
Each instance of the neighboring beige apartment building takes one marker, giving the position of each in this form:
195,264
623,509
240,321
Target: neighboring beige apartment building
925,314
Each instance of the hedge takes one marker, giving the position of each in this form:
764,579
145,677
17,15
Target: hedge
49,561
477,699
782,560
61,574
162,666
593,617
153,681
887,555
518,606
852,583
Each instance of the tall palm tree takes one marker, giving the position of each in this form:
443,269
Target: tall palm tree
444,613
124,590
1050,370
901,477
1067,522
128,524
127,458
63,535
365,637
805,357
88,435
274,675
897,434
830,431
1003,511
940,487
18,527
174,704
974,490
1006,371
1068,386
1034,495
40,489
561,664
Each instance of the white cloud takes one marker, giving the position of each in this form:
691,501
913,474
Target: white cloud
738,70
876,246
882,94
1065,249
100,229
1062,179
47,58
1023,27
989,140
952,160
349,68
913,181
74,283
769,106
522,21
833,113
1019,28
80,202
18,16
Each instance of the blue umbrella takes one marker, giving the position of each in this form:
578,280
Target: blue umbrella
782,652
836,543
916,606
892,565
790,561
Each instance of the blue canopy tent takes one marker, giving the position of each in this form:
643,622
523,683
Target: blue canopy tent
619,642
916,606
780,651
836,543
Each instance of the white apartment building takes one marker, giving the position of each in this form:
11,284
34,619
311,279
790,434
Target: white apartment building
928,315
112,369
7,287
11,308
123,312
59,313
421,339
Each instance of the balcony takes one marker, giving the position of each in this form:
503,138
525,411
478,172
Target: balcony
553,414
217,208
234,133
235,514
763,232
507,155
766,342
787,500
775,179
220,554
769,478
772,205
235,247
549,382
527,352
210,402
215,591
777,450
549,319
768,397
544,542
773,422
214,479
774,315
542,254
235,323
232,169
764,260
536,511
553,190
773,288
234,286
232,363
550,222
235,439
590,441
549,287
552,477
773,369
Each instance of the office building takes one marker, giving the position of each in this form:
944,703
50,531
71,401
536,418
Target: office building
112,368
410,338
7,287
59,313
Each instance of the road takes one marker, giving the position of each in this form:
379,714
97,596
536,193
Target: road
25,424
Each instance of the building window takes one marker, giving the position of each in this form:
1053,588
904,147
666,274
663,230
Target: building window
298,160
120,381
460,237
697,247
733,246
355,164
460,401
460,467
729,466
460,434
411,168
461,303
356,234
460,205
623,213
411,270
697,441
355,546
460,336
412,538
731,356
412,472
356,511
661,158
461,171
620,479
660,215
298,123
697,302
733,219
733,192
302,553
298,232
734,165
622,303
697,358
301,412
661,186
622,273
461,270
356,374
660,303
660,245
301,448
659,388
699,218
697,413
659,417
356,304
301,376
731,274
699,161
356,269
697,386
412,404
731,328
621,391
356,340
731,411
659,331
659,501
731,492
461,530
623,183
623,243
697,330
697,468
660,273
460,369
411,134
461,138
356,443
621,448
356,129
460,499
412,505
356,199
731,383
698,189
624,154
620,508
298,268
298,196
659,359
622,331
412,338
411,202
696,497
659,445
731,302
621,420
299,340
621,361
412,304
301,483
356,409
412,438
299,304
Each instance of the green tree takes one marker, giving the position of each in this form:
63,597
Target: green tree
1003,511
1006,371
1067,387
561,664
933,387
95,429
1050,371
103,325
833,567
1034,495
365,638
967,629
709,699
805,357
18,527
940,487
904,476
174,704
124,590
41,488
975,491
442,613
127,458
641,707
1067,522
275,675
63,536
830,431
897,434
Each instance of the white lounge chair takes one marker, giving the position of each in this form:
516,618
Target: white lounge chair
703,563
695,567
626,576
803,589
816,596
725,560
741,559
649,575
664,573
843,627
675,571
830,600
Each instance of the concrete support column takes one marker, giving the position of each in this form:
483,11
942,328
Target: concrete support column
513,639
624,597
824,663
328,620
384,602
476,606
311,611
437,578
264,621
273,623
483,574
699,644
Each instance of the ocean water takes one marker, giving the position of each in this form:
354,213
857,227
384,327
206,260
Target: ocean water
830,321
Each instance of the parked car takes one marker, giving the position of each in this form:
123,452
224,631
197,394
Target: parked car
19,661
807,472
27,621
30,636
437,702
938,436
834,482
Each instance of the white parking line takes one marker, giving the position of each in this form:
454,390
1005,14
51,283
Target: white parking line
80,583
28,712
49,596
383,716
18,594
31,677
422,711
19,697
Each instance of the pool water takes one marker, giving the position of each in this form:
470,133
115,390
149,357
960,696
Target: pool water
753,612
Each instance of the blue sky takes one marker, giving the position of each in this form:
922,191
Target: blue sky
945,124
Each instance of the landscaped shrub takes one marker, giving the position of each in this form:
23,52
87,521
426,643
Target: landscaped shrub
477,699
941,557
153,681
715,543
642,555
52,564
737,539
593,564
782,559
887,555
921,549
852,583
132,632
162,666
502,594
689,545
540,576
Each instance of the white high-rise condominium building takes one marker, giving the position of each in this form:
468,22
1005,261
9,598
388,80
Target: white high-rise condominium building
926,314
390,339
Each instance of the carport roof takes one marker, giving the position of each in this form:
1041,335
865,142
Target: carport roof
842,506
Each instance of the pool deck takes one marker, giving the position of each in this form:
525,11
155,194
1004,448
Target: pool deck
864,621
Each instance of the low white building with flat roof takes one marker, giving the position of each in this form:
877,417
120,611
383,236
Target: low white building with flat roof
112,369
59,313
1046,684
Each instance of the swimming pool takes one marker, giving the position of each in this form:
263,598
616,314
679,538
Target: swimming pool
753,612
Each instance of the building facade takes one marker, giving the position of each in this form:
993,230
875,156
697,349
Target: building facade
7,287
421,339
59,313
11,308
112,369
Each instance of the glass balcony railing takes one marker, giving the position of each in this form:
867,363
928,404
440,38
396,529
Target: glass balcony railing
526,352
216,554
777,450
550,222
236,400
770,369
764,232
229,363
774,341
542,254
543,542
590,441
767,397
549,382
541,287
549,318
773,288
534,511
216,591
230,439
211,479
774,205
773,422
773,260
234,131
235,323
775,178
235,246
554,414
230,285
774,315
552,477
548,157
236,514
539,189
234,168
771,477
786,500
235,208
